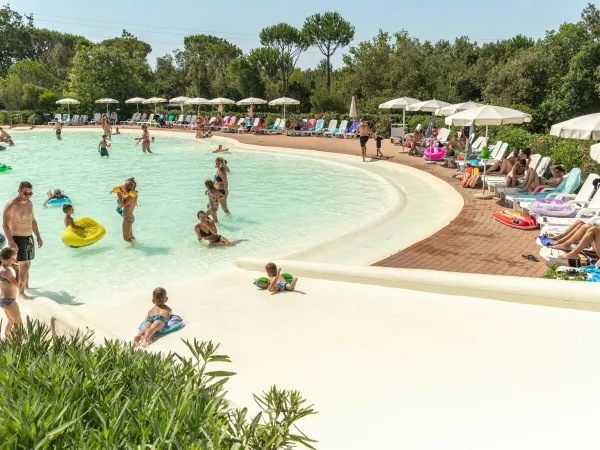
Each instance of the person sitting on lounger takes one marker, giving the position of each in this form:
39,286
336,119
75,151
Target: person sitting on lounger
591,236
533,180
505,166
512,179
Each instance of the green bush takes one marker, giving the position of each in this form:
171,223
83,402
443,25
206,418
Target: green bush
66,393
516,137
552,274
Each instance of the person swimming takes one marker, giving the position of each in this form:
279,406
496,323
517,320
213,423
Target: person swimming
220,149
56,194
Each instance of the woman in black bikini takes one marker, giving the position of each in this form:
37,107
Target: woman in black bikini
221,182
207,230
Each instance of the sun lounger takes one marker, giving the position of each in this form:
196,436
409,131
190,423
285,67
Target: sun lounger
580,200
331,126
255,125
150,120
351,131
497,183
317,128
334,131
276,128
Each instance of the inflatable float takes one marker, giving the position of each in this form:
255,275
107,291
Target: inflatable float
470,177
174,323
515,219
552,207
92,232
5,168
263,282
59,201
434,153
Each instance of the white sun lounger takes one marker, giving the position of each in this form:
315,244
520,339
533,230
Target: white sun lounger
332,132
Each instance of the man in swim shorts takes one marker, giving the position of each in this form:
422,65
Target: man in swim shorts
363,131
19,225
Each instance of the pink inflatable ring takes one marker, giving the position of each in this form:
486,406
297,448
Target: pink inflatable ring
434,153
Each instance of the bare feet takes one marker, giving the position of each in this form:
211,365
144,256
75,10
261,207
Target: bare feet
567,256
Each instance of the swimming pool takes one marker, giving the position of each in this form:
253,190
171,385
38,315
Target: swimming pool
280,204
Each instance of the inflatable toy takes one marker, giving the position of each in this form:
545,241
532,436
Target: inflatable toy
263,282
175,323
470,177
552,208
92,232
5,168
515,219
59,201
434,153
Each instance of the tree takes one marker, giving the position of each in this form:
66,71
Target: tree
15,42
591,19
105,71
290,43
128,43
266,59
13,91
168,78
328,31
244,74
205,60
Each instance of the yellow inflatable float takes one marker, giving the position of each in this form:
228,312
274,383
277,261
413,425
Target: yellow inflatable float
92,232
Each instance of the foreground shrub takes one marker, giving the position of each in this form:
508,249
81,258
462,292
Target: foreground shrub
66,393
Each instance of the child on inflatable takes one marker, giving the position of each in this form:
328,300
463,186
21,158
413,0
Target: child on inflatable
56,194
276,281
69,222
156,319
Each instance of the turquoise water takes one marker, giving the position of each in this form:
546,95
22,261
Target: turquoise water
280,204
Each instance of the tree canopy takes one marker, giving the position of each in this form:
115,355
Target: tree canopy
556,77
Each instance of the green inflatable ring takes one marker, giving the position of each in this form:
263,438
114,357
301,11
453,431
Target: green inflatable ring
265,281
4,168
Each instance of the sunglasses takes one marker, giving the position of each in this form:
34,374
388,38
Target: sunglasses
27,194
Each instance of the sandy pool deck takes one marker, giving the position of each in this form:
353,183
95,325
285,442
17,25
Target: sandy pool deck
390,367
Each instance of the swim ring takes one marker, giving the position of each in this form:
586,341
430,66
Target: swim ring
2,147
263,282
434,153
59,201
552,207
5,168
174,323
92,232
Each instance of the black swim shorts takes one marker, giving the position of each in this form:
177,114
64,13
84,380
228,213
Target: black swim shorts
103,152
363,140
26,246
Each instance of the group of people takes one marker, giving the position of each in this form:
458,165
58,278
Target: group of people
516,167
364,133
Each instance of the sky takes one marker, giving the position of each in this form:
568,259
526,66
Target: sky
164,24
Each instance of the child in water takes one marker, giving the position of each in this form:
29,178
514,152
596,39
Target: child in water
103,146
9,284
156,319
276,282
56,194
69,222
220,149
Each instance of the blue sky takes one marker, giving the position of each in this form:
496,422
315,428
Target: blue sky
164,24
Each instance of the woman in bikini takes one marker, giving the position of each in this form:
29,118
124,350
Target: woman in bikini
145,139
221,182
533,180
206,230
128,202
9,285
214,195
505,166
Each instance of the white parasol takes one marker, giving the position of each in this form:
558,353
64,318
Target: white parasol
251,101
399,103
283,101
427,106
106,101
595,152
68,102
197,101
154,101
222,101
583,127
353,112
137,101
453,109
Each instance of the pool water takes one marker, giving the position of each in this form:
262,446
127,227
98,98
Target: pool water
280,204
